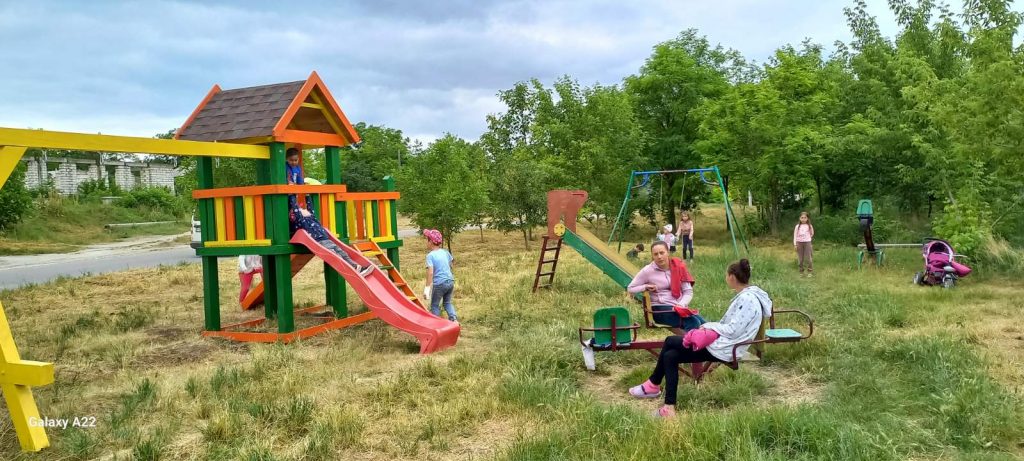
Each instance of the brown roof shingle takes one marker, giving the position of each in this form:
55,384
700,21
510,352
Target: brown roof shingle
241,113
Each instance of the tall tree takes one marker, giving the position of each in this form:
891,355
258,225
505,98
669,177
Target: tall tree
445,186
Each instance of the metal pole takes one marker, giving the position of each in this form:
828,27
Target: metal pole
728,211
625,201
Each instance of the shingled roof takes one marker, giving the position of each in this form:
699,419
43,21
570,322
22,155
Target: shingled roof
301,112
242,113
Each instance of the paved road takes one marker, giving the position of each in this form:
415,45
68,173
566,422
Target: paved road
16,271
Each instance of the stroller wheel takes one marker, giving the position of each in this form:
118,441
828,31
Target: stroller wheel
918,278
948,282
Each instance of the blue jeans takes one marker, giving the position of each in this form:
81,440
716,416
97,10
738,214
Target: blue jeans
664,315
443,291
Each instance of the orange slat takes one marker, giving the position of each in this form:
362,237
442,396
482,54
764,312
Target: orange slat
229,218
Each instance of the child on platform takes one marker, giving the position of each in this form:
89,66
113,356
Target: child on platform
302,218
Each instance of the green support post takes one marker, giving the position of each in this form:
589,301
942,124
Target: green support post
375,209
389,186
730,215
280,278
335,283
269,286
211,294
211,286
625,203
239,218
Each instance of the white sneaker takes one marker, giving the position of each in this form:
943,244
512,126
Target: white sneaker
366,270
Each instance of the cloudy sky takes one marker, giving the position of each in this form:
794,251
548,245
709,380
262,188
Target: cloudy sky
425,67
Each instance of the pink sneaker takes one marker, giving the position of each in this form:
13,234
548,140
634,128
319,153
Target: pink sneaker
641,393
665,411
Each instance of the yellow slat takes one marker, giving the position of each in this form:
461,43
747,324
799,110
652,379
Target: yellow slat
368,218
351,213
127,144
238,243
218,213
250,216
334,216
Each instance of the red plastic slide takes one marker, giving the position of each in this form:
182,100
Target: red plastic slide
385,299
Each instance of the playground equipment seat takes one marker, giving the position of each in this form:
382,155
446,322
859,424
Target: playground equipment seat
768,334
612,331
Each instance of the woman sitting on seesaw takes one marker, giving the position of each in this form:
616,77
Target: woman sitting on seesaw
671,288
713,341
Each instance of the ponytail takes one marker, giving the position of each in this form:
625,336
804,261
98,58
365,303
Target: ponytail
740,270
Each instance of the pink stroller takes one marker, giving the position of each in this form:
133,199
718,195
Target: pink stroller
940,266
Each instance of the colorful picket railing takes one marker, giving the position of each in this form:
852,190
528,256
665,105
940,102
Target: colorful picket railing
370,215
239,212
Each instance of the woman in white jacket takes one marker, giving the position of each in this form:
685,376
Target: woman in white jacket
740,323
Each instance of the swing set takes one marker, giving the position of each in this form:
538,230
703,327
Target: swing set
644,182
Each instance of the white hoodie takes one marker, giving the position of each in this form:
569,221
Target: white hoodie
740,323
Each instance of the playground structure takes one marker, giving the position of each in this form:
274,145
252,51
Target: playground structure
256,123
623,218
613,329
874,251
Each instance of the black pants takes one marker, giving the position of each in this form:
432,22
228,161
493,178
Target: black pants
687,243
672,354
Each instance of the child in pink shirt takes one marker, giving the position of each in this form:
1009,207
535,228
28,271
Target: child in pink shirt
803,233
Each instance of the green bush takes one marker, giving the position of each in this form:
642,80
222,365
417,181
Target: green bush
14,198
95,188
155,198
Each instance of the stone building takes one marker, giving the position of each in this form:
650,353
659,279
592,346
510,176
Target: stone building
68,173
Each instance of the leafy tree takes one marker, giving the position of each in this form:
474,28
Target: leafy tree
679,76
14,198
445,186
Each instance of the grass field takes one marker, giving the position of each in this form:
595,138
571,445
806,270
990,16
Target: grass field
61,225
893,371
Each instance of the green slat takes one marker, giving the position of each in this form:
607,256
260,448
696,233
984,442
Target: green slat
239,219
235,251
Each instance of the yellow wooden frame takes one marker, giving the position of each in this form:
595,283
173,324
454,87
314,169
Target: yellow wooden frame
128,144
17,377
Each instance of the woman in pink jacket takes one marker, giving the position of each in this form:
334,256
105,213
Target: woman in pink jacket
667,302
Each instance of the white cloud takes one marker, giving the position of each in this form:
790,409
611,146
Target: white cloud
139,68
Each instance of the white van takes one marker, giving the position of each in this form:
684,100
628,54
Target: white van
197,236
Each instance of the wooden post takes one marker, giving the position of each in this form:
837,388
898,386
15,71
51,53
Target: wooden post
211,283
17,377
280,277
336,295
389,186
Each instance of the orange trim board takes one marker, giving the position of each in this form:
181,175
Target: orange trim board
199,108
346,196
314,82
311,138
271,189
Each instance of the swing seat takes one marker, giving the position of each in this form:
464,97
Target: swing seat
782,335
612,324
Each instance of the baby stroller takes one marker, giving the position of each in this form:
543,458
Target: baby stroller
940,266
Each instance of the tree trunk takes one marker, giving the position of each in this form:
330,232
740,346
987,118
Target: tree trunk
481,232
526,240
817,185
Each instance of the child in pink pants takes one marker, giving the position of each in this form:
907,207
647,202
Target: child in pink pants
248,266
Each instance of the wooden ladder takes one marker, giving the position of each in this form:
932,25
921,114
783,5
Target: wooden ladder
372,251
541,262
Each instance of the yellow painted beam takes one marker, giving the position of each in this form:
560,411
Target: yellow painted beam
16,378
237,243
312,106
127,144
9,157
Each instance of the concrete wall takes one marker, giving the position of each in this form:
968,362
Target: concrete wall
68,173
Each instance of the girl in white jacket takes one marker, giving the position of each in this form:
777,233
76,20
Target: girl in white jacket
740,323
248,266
